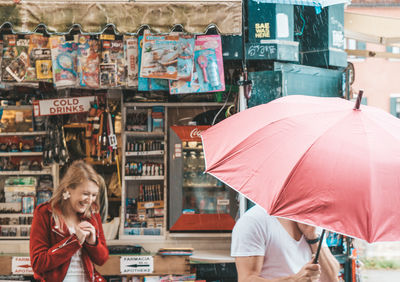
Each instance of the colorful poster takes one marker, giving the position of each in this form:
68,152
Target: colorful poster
39,59
208,73
149,84
64,58
131,58
88,61
113,68
15,57
159,56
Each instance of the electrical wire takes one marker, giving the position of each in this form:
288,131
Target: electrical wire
223,106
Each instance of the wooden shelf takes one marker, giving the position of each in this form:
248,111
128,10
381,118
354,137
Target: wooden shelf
30,133
13,237
20,154
15,214
26,172
145,153
14,108
75,125
154,177
15,225
144,134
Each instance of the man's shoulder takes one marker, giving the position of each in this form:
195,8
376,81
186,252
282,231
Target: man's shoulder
256,212
255,217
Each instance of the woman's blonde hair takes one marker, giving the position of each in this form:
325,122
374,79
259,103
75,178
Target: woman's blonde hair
77,173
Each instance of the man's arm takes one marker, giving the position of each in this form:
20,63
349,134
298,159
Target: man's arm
329,265
249,270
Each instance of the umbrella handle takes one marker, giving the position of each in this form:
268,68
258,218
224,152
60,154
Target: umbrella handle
315,261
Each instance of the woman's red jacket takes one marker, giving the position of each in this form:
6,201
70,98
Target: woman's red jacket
51,248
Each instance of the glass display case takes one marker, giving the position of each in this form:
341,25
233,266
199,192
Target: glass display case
198,201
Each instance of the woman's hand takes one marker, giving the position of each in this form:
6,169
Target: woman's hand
89,228
81,234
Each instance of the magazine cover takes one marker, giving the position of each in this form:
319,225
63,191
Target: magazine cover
159,56
112,54
208,72
64,58
39,59
131,58
15,57
149,84
88,61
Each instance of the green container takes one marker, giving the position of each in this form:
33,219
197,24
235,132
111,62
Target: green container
291,79
321,36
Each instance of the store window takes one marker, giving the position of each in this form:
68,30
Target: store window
395,105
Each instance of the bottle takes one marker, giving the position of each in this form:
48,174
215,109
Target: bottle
213,74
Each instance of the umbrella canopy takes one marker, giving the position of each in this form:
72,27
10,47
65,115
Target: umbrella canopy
314,160
320,3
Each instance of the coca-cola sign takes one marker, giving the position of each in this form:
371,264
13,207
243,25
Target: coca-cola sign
189,132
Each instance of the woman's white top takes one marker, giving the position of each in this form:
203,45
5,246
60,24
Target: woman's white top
76,271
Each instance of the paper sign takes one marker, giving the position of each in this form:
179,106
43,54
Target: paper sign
62,106
21,265
136,264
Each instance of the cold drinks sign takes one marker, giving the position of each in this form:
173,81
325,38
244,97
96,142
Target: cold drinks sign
62,106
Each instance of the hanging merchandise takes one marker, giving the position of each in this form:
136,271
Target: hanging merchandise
88,60
15,57
131,58
185,57
64,56
159,56
149,84
39,68
55,147
208,74
112,63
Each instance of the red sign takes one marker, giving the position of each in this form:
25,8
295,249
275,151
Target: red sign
190,132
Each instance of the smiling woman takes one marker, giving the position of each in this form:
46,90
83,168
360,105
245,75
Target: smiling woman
67,235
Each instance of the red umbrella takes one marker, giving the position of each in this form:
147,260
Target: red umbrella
314,160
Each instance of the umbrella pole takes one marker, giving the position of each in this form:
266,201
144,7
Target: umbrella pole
315,261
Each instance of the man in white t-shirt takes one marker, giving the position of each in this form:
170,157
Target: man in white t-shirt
267,248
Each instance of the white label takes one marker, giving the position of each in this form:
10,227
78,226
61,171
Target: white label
63,106
222,202
149,205
282,24
19,117
337,38
136,264
21,265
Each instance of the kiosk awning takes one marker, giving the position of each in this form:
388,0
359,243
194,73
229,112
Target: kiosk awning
374,29
128,17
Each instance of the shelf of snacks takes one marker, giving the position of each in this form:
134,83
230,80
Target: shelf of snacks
144,176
